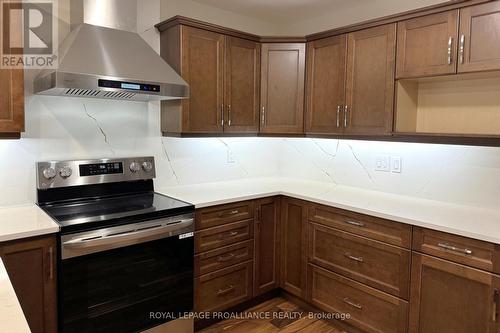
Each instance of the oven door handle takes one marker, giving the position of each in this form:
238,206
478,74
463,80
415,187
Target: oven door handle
132,237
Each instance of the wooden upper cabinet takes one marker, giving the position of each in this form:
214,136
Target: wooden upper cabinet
428,45
11,100
242,86
479,41
282,88
325,94
202,66
370,81
31,265
451,298
267,252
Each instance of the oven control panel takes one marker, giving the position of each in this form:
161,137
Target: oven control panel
87,172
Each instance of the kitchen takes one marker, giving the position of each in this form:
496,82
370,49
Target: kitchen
302,172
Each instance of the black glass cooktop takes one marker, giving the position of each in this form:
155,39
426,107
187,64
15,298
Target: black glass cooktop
99,212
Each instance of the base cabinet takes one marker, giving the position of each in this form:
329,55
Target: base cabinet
267,252
451,298
31,265
293,246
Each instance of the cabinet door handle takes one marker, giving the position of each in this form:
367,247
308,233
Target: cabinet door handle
263,118
496,296
462,46
233,212
346,113
450,44
353,304
338,115
349,256
51,263
229,235
226,258
222,115
455,249
229,114
355,223
228,290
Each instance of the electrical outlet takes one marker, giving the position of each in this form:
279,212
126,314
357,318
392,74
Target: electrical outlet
230,157
396,164
383,163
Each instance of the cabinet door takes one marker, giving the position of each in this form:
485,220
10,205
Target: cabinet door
293,246
242,85
203,68
479,45
11,101
31,266
266,271
282,88
451,298
428,45
370,81
326,71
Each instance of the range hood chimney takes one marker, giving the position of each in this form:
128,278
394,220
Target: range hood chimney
104,57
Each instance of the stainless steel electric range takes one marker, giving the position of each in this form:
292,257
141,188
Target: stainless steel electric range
125,252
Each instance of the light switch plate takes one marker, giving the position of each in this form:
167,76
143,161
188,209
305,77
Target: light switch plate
383,163
396,164
230,157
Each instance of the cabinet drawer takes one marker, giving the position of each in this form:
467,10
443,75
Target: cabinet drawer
376,264
219,215
370,310
224,288
467,251
224,257
216,237
372,227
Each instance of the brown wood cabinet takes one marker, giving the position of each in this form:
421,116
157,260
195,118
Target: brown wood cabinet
223,74
325,88
31,265
282,88
293,240
370,81
428,45
373,263
242,86
350,85
11,101
267,251
370,310
451,298
479,41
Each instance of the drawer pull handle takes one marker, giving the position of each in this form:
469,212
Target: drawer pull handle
353,304
226,258
233,212
229,235
349,256
455,249
226,291
355,223
496,297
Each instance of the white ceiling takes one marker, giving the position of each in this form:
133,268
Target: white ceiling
284,11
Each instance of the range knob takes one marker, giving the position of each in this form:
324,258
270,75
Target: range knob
147,166
49,173
135,167
65,172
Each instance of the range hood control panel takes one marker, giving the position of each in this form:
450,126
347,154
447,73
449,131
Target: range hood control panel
128,85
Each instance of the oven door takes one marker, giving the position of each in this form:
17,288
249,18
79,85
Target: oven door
127,278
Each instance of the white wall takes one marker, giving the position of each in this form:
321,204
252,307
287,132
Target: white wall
218,16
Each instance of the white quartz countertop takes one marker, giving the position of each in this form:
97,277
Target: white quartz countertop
473,222
11,315
25,221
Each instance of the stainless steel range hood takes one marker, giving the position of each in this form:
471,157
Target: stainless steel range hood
101,62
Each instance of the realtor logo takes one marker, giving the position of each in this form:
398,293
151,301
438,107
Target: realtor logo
28,34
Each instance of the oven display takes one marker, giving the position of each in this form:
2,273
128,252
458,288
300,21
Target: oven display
101,169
